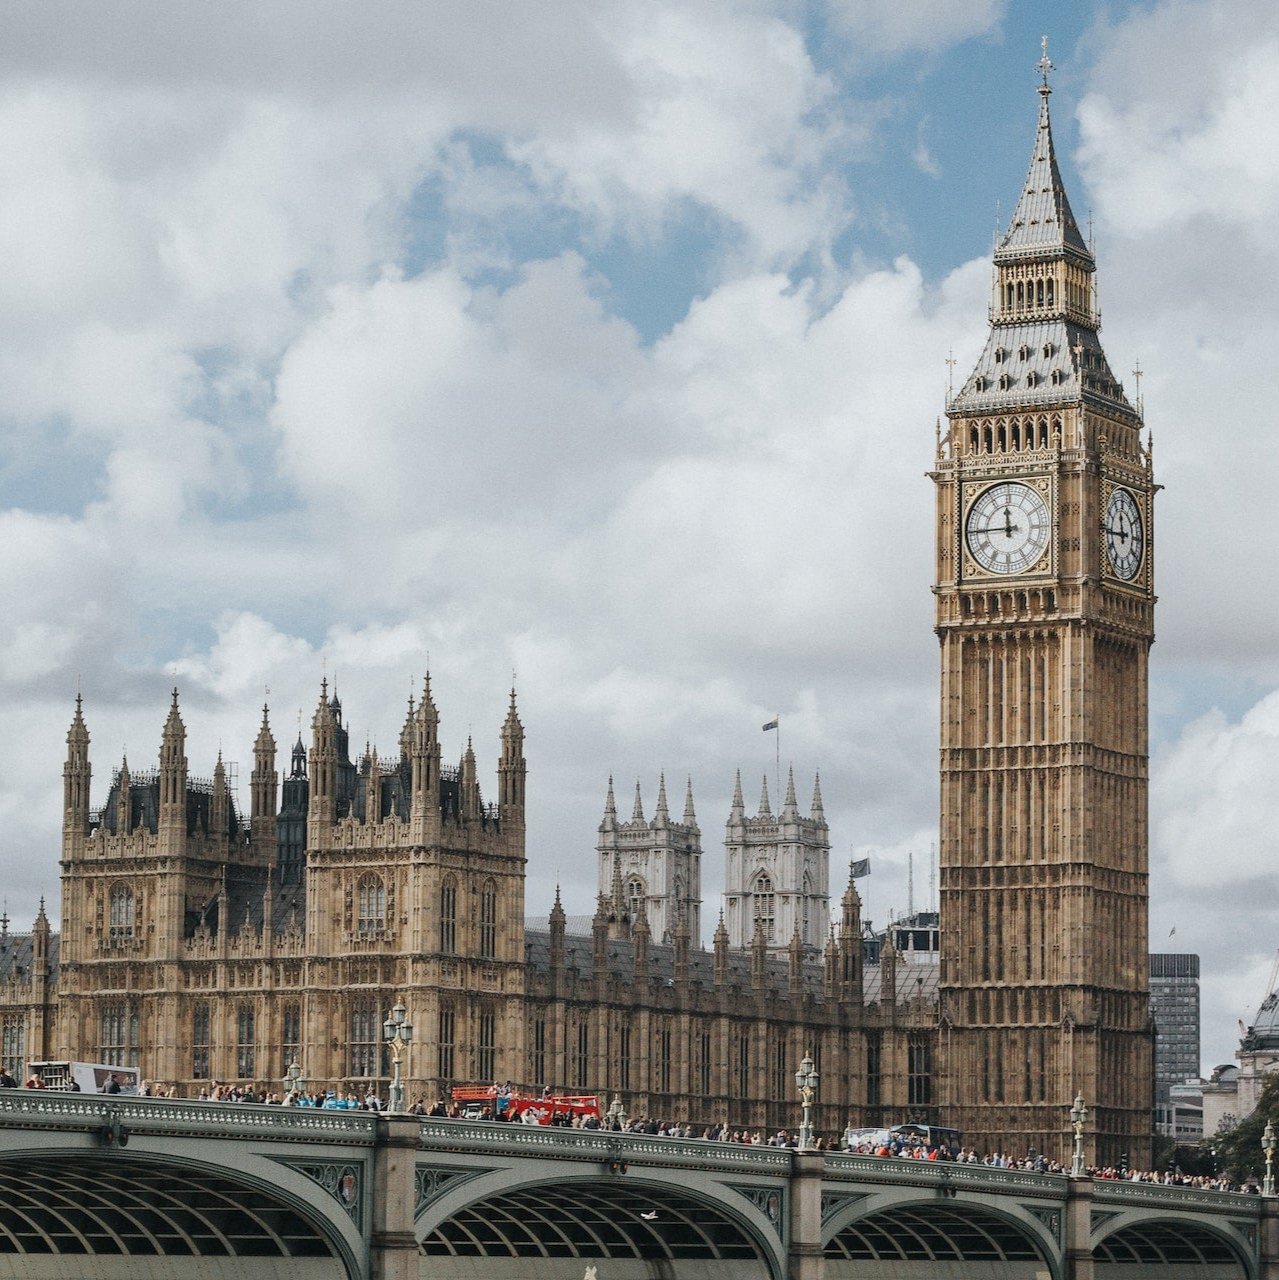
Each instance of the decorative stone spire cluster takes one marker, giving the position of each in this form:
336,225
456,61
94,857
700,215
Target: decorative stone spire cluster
651,868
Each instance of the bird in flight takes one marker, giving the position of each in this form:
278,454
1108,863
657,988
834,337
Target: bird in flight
649,1217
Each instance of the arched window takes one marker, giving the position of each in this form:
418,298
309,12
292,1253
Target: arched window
118,1043
1010,295
486,1046
201,1040
13,1045
635,897
245,1042
370,904
488,923
122,919
989,440
763,903
1016,435
448,916
292,1038
1021,296
1039,293
974,440
1050,291
364,1053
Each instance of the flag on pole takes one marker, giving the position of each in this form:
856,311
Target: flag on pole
772,724
858,869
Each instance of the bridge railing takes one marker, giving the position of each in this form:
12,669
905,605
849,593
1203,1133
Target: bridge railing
49,1109
942,1173
599,1144
1112,1191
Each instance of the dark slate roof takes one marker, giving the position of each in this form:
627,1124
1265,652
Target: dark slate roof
15,956
1072,350
1042,224
915,978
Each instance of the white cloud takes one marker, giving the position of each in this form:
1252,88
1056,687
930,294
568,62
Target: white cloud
879,27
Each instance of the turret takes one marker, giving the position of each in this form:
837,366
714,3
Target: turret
41,932
511,771
759,957
640,937
123,800
173,784
817,813
765,807
850,944
681,948
721,953
831,967
888,978
790,808
795,983
608,822
662,817
425,773
690,818
372,786
76,773
263,788
470,785
558,923
322,810
218,809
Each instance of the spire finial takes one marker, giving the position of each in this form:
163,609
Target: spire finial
1045,66
1136,373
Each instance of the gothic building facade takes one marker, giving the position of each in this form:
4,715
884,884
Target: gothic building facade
1045,614
203,944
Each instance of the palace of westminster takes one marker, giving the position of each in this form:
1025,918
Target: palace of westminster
201,943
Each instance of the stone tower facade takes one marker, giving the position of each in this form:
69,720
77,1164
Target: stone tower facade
777,872
652,868
1045,615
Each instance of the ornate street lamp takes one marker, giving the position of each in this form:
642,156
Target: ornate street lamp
396,1032
806,1082
1268,1146
293,1078
1078,1118
616,1114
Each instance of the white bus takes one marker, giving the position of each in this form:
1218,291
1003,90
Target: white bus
85,1077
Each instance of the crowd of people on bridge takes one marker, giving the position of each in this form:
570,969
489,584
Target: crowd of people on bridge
890,1147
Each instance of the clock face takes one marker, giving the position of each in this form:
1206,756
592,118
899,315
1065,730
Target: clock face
1125,539
1008,528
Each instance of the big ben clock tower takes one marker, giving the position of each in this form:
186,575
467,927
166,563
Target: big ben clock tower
1045,615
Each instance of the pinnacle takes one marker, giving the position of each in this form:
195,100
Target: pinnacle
662,813
637,814
765,808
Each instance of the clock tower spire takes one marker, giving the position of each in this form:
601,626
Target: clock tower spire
1045,617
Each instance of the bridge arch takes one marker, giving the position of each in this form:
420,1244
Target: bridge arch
1165,1246
896,1230
526,1228
133,1214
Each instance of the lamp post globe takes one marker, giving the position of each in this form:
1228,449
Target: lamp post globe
806,1079
1078,1118
397,1031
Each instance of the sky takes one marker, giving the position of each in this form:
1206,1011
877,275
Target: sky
599,346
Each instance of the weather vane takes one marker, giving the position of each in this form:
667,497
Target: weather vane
1044,64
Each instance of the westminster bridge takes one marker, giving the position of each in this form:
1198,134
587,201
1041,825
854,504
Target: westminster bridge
134,1188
